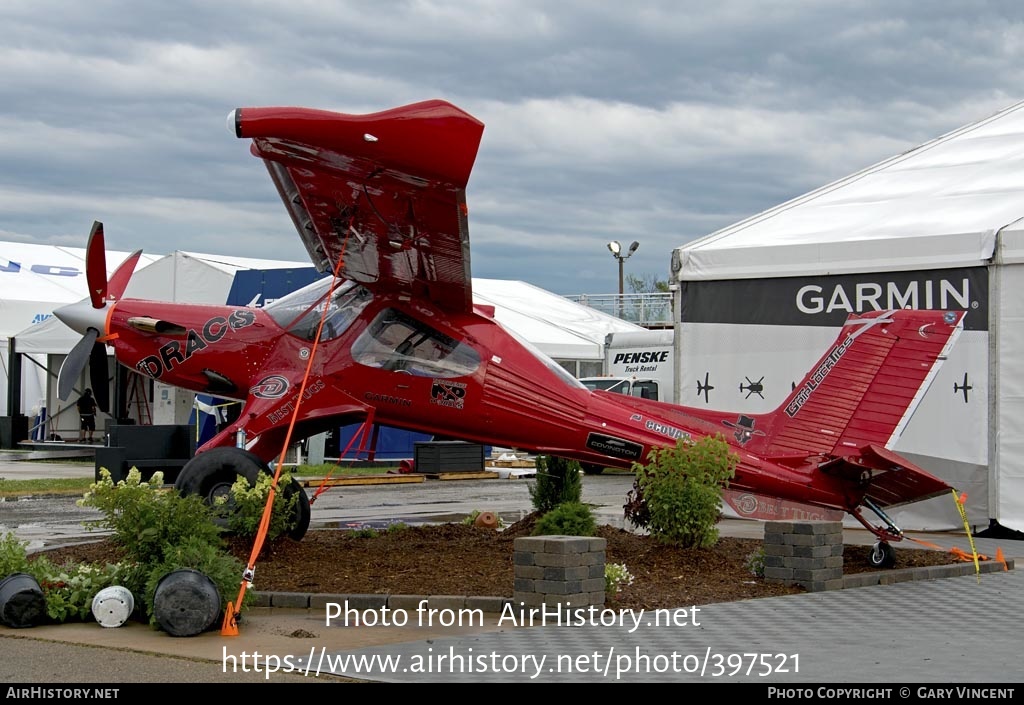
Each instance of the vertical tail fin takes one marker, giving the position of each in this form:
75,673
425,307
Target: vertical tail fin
864,390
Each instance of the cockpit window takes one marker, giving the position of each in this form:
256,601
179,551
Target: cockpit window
299,312
397,342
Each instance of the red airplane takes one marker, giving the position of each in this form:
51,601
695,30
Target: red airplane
394,338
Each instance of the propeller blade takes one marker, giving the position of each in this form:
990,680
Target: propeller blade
98,376
74,363
121,276
96,266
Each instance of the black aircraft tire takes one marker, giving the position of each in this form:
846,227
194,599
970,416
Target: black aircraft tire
882,555
592,468
303,511
211,474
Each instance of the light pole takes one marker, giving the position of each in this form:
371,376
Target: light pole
616,250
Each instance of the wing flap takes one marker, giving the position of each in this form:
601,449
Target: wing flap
377,198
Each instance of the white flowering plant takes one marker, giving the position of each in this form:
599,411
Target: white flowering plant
616,577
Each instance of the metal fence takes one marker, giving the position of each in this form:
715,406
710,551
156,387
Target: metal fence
652,310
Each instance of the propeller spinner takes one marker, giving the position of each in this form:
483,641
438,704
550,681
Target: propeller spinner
88,317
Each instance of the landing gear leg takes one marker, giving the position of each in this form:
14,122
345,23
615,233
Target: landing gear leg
882,555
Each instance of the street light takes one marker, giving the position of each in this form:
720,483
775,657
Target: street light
616,250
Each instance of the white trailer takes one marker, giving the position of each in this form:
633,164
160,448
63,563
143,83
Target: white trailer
638,363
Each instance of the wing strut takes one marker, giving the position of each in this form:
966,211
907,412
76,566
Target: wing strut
229,626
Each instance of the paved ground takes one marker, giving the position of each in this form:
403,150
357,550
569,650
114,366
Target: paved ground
962,630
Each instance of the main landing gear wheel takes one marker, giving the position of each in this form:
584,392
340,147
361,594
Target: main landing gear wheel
592,468
211,474
882,555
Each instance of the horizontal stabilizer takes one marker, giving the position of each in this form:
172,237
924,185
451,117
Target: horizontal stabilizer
892,479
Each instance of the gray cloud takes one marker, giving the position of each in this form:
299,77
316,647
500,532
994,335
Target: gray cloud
658,121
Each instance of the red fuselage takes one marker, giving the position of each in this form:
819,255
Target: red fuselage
501,392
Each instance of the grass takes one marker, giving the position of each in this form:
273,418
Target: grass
80,485
61,485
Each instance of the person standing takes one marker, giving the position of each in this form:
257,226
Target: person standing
86,416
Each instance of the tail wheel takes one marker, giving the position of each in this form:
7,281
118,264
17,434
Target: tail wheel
592,468
882,555
211,474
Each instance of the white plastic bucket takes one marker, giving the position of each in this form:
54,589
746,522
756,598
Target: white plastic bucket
112,606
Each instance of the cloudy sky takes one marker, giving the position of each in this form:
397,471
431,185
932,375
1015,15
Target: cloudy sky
654,121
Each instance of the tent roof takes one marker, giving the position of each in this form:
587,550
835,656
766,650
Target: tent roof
35,277
560,328
939,205
186,277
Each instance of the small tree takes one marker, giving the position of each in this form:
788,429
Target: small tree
559,480
567,519
677,496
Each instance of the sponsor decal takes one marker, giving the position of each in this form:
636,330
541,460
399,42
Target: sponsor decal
666,430
272,387
816,378
636,358
880,296
285,410
177,352
744,427
446,393
829,300
615,447
753,506
51,270
375,398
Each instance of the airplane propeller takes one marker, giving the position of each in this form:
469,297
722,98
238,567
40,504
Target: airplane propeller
89,319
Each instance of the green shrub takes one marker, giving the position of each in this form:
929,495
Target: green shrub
616,577
146,517
567,519
244,509
755,563
160,531
219,566
559,480
365,532
13,555
677,496
69,588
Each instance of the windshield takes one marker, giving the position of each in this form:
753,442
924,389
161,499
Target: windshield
608,384
299,312
397,342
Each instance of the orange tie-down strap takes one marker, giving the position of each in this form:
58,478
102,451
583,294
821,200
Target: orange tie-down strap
962,555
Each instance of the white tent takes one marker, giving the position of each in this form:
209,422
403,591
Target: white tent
34,279
939,226
565,331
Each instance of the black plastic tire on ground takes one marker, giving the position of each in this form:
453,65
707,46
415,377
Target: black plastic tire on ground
592,468
211,473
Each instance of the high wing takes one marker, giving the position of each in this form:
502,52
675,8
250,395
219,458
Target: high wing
379,198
